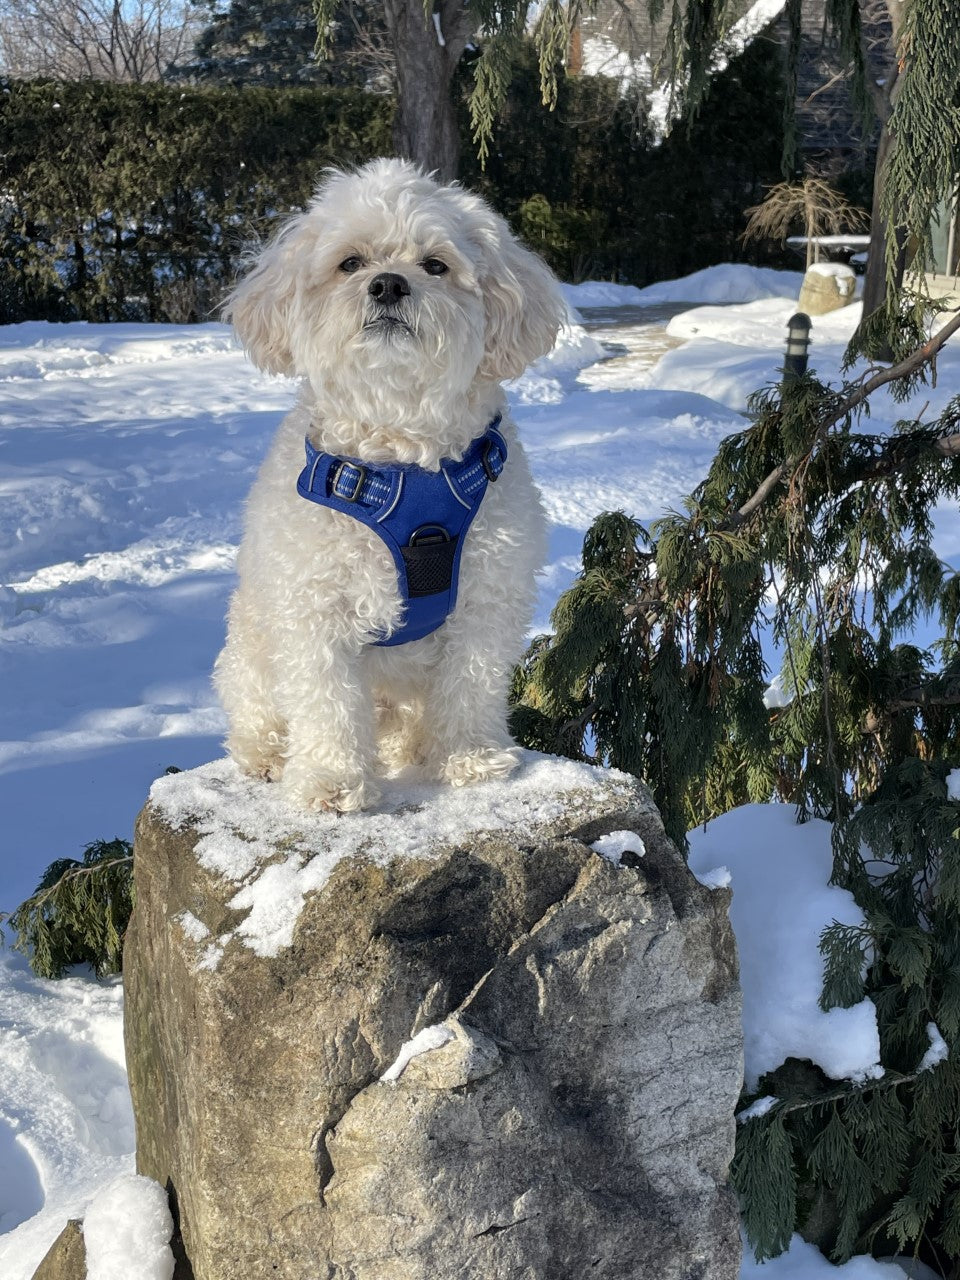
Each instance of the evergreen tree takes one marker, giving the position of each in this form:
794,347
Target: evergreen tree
272,42
79,912
812,534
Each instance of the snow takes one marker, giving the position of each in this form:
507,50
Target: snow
715,878
602,56
126,452
242,823
781,904
434,1037
844,276
728,282
938,1051
838,240
66,1122
758,1108
127,1230
761,323
615,844
804,1261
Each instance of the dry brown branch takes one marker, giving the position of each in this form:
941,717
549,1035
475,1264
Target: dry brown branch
812,204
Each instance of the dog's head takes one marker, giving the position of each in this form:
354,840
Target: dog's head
393,287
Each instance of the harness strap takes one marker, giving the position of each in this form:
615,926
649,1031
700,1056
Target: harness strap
421,515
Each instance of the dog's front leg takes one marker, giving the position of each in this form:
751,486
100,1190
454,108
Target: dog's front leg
466,702
331,741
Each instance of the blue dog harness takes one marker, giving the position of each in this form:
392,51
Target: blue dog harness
421,515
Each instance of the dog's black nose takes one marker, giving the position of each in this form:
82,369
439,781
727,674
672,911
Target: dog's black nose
388,288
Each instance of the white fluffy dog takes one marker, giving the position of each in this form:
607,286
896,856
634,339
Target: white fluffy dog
400,304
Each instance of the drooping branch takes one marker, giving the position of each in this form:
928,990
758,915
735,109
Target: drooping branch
913,363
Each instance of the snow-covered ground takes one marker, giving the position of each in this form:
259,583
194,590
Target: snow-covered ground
125,455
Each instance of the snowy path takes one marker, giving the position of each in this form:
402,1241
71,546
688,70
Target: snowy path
637,335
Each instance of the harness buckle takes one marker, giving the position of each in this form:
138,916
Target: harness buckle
361,477
492,461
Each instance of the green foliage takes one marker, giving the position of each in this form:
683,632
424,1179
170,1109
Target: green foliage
272,42
134,202
587,187
79,912
764,1176
813,535
873,1166
926,112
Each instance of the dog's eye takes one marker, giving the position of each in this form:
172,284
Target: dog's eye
351,264
434,267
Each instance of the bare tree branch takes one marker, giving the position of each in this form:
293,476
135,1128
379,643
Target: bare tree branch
119,40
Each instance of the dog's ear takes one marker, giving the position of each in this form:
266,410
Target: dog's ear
523,303
262,303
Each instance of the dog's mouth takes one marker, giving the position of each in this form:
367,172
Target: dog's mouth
388,325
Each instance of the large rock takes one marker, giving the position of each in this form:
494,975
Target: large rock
66,1259
827,286
570,1113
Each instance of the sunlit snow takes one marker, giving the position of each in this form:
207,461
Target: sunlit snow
126,452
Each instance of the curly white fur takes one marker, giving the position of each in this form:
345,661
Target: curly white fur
311,702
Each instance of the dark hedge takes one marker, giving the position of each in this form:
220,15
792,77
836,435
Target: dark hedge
135,202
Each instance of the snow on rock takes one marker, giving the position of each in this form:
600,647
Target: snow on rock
242,823
434,1037
616,843
845,276
127,1230
715,878
782,902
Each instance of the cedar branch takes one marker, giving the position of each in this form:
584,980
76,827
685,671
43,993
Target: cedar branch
916,360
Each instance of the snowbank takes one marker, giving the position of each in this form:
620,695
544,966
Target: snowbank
762,323
804,1261
782,902
66,1121
728,282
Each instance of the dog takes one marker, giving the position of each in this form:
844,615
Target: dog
401,304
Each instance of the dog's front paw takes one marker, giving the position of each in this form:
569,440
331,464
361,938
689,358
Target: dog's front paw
257,756
327,791
466,767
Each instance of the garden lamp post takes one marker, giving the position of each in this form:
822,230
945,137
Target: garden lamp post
798,346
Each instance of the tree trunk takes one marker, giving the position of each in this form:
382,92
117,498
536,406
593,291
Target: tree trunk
427,49
875,279
884,93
